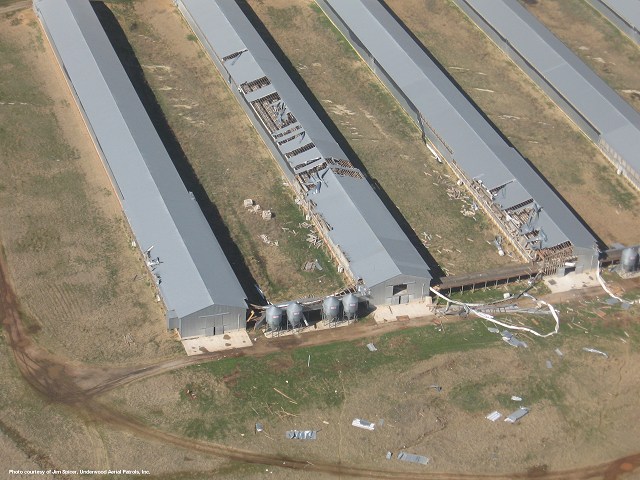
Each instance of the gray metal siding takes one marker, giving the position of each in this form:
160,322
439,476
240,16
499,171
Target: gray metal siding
583,96
194,273
382,294
213,320
361,229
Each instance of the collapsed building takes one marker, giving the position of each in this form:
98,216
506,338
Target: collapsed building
525,208
362,235
201,293
610,122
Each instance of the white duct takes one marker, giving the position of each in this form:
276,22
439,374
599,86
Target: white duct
490,318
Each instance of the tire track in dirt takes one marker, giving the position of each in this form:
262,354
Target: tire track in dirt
62,382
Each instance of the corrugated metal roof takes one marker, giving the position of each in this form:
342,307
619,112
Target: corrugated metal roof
361,225
627,10
617,122
194,271
477,148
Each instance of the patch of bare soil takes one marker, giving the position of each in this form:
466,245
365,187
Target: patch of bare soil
523,113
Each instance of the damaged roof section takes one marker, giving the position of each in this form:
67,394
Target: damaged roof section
358,225
498,176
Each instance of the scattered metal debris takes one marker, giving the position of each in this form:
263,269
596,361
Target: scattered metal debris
517,415
357,422
559,353
309,266
593,350
302,434
314,240
372,347
609,292
549,364
474,309
516,398
493,416
508,337
497,242
268,241
410,457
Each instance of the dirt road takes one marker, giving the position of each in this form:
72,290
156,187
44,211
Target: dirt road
78,385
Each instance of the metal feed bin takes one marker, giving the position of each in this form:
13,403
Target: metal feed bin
274,317
294,314
350,305
629,260
331,308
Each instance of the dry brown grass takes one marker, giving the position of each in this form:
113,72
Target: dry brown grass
523,113
449,427
227,155
610,53
380,134
82,285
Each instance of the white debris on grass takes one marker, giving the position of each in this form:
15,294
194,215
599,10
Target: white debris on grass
493,416
357,422
593,350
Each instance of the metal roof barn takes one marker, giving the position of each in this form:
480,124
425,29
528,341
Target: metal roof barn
527,210
362,234
594,106
200,290
624,14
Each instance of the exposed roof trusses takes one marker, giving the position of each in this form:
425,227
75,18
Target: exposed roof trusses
531,210
357,221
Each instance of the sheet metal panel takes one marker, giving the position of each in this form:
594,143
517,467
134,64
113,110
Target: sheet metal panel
361,225
194,271
477,148
627,9
587,93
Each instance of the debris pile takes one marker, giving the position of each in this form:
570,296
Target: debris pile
410,457
302,434
357,422
593,350
517,415
268,241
